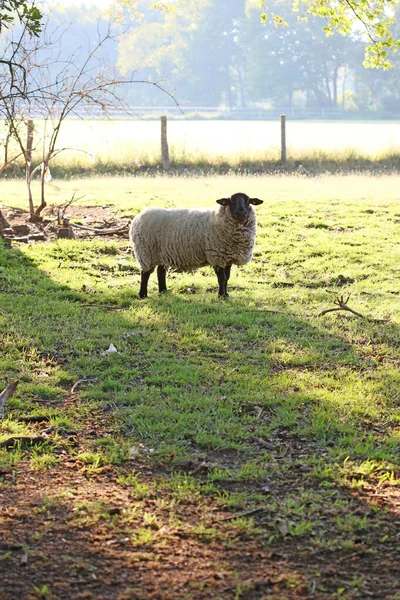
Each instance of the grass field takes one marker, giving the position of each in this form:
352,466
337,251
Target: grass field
135,145
254,406
128,194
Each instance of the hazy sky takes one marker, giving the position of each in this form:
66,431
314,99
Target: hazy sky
96,3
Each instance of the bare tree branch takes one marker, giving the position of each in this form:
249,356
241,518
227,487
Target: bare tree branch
82,83
342,305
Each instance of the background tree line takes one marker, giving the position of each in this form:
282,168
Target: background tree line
220,53
208,53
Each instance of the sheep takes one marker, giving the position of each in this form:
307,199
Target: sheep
184,239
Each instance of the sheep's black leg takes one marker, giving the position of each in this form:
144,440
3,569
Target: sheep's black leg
227,275
161,275
144,279
222,281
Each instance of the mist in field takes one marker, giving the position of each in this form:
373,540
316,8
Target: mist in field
99,77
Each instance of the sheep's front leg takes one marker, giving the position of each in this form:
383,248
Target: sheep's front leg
223,274
161,275
144,280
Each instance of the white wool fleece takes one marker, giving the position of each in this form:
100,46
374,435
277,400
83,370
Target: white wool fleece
186,239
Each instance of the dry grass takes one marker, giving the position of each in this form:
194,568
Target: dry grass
133,145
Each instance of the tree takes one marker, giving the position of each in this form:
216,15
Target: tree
196,47
82,81
374,19
30,18
298,58
60,84
23,11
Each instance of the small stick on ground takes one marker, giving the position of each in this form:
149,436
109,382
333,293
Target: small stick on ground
5,395
342,305
187,580
246,513
83,380
262,442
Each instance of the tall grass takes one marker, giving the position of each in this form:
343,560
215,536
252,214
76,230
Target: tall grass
246,146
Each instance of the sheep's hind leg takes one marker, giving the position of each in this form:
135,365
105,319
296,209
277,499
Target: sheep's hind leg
161,275
144,279
227,275
222,281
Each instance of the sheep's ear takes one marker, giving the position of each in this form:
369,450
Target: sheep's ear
224,201
255,201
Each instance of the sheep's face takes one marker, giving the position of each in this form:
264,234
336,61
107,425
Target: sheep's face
239,206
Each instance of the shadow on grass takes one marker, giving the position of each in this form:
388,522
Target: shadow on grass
192,371
193,377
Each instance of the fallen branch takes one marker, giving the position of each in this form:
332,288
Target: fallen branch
100,231
34,419
5,395
10,546
22,439
262,442
61,209
342,305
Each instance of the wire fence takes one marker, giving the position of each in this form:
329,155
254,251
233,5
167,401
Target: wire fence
215,112
199,112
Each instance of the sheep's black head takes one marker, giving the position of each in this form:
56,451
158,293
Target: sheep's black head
239,205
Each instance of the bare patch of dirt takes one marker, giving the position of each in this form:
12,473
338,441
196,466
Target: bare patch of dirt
76,532
83,222
77,535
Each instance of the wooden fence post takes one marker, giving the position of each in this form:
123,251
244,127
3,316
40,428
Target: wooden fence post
283,138
164,144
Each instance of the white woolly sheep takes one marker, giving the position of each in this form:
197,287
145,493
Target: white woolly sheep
186,239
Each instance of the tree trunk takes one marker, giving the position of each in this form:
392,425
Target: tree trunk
28,165
320,97
43,203
344,89
335,85
242,98
6,142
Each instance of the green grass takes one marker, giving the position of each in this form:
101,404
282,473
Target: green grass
197,380
307,198
200,373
